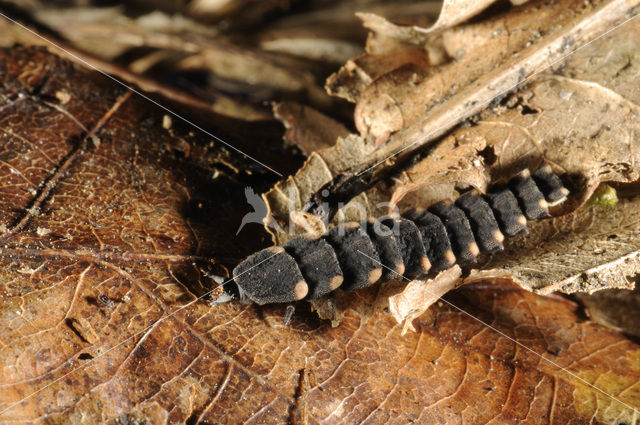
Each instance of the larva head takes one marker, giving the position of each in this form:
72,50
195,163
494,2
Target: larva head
270,276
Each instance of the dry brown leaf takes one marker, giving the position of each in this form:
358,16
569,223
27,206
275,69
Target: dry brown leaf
90,27
617,309
308,129
391,45
258,71
591,249
384,53
119,242
321,166
451,13
498,54
243,12
451,162
324,50
454,12
459,164
419,295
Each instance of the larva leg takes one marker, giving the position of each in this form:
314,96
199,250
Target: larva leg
288,314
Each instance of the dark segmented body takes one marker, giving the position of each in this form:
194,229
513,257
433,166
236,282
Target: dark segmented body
357,255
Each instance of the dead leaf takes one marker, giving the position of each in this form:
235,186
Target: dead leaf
133,223
310,223
321,166
456,11
325,50
589,250
308,129
391,46
617,309
259,73
500,53
419,295
451,162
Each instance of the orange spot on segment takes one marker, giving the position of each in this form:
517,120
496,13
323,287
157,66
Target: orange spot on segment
335,282
375,275
425,263
450,257
300,290
522,220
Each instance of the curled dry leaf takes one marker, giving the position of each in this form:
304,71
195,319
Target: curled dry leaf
451,13
259,73
491,57
325,50
134,223
592,248
616,309
308,129
449,163
419,295
599,92
589,250
453,103
321,166
391,46
240,13
327,31
383,54
308,222
456,11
